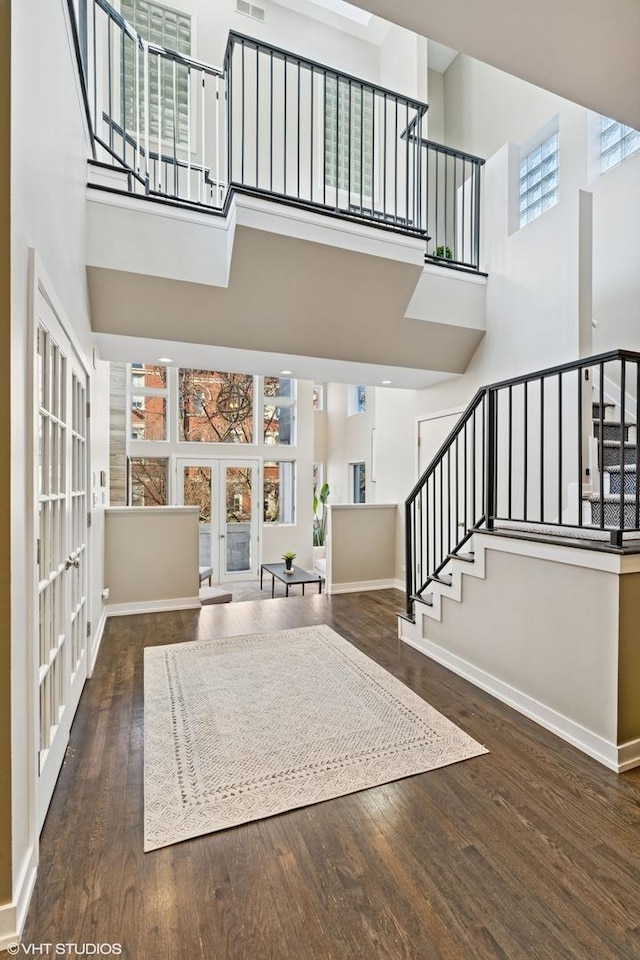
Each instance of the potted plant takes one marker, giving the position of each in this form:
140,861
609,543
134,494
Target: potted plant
320,498
444,253
288,558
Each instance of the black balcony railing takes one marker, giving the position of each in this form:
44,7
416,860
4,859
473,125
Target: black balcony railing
556,450
305,133
278,125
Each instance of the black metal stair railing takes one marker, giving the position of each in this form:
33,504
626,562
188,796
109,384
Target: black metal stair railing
277,125
553,451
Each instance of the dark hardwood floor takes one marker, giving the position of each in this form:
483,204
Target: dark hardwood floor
532,851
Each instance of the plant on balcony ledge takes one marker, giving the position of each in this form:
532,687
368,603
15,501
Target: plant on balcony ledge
444,253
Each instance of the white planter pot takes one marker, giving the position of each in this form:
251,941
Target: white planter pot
319,553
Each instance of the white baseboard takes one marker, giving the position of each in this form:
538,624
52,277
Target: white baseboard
96,641
361,585
152,606
609,754
13,915
629,755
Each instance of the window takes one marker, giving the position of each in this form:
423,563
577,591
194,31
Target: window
539,180
278,411
318,396
348,137
617,141
171,29
215,407
148,482
357,401
279,498
148,402
358,483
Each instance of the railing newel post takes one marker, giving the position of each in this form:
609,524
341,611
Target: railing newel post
409,559
490,459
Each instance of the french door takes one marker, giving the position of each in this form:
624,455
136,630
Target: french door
61,542
226,494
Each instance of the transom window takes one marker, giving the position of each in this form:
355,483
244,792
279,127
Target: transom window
210,406
539,180
617,142
215,407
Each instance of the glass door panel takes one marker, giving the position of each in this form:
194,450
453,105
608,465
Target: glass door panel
239,539
61,562
197,493
225,494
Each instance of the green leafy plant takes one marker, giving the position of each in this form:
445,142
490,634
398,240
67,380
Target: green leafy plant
320,498
445,253
288,558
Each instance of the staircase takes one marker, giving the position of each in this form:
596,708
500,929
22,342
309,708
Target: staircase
535,457
617,442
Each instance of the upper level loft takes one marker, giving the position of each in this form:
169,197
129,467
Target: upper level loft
273,124
273,188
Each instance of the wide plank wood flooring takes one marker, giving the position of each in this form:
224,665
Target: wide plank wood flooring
532,851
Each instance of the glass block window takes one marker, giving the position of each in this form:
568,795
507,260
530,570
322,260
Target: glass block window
617,141
539,180
168,116
348,137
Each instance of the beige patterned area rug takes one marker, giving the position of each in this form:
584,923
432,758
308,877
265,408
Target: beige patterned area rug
246,727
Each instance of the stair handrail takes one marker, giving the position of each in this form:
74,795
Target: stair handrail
414,590
486,397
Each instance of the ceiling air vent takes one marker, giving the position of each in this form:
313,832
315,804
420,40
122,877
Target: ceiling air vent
251,10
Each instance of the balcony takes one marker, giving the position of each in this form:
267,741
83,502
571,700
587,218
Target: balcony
270,162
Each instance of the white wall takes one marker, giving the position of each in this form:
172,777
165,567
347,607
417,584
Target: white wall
283,28
435,114
616,255
48,156
533,285
348,441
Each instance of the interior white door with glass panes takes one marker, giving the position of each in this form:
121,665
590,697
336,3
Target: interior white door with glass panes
226,493
61,532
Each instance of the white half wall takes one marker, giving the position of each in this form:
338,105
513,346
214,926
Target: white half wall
151,554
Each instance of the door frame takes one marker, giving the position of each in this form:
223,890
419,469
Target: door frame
218,507
41,285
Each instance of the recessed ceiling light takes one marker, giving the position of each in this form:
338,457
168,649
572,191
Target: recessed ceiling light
165,359
286,373
386,383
